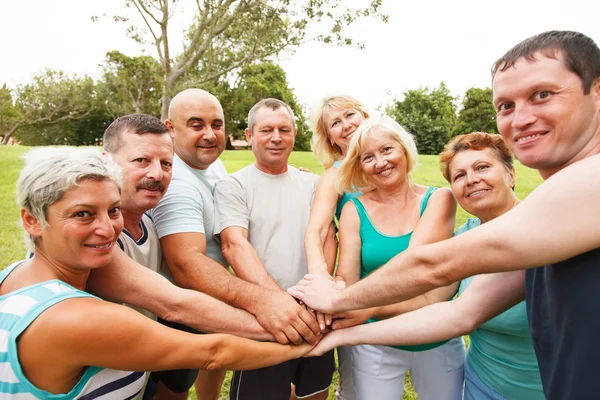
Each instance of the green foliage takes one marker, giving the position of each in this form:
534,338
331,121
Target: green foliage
430,115
50,99
477,113
131,84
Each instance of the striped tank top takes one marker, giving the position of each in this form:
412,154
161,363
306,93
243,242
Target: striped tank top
18,310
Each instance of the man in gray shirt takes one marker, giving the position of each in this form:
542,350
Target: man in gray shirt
261,215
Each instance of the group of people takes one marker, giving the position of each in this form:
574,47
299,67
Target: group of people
154,221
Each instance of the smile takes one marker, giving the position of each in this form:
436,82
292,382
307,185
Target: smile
478,193
99,246
528,138
386,172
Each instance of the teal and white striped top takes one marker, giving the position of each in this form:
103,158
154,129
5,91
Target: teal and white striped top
18,310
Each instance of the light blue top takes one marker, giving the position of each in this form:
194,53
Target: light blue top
18,309
501,351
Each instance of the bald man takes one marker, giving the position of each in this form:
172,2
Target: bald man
184,219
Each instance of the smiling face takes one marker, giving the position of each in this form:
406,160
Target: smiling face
341,124
481,183
543,114
272,139
383,160
197,125
147,162
83,226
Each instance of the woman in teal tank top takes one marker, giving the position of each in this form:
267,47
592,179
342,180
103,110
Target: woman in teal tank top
393,214
501,362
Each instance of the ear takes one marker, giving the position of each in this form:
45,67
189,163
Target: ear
248,134
295,132
32,225
171,128
512,178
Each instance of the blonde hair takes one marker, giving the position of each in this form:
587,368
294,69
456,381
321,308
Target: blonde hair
351,176
325,151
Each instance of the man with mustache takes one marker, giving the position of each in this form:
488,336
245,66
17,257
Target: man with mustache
261,214
143,148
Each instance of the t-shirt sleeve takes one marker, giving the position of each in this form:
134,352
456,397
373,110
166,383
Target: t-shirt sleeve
230,205
179,211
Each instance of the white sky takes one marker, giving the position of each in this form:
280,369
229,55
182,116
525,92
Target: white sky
424,42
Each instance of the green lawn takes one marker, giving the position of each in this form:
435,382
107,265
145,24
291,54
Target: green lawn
12,247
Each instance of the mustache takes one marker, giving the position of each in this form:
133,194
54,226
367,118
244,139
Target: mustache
151,184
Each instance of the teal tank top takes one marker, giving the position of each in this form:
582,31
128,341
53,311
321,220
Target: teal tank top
501,350
377,249
345,197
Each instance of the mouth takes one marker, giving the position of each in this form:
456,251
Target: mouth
100,246
386,171
275,150
207,147
524,139
477,193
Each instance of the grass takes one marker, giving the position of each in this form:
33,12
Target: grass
11,237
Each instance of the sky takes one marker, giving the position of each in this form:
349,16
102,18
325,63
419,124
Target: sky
424,43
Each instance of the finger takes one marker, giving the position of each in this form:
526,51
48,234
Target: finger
343,323
328,319
307,326
321,320
293,336
280,336
298,293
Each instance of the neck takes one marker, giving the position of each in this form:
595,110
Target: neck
272,169
131,222
491,214
42,268
398,193
592,148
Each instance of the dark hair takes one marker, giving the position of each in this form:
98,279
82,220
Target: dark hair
475,141
581,54
134,123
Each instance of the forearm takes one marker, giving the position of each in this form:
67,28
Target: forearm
314,241
432,297
247,265
235,353
207,314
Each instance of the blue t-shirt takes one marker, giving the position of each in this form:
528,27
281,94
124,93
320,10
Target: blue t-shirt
501,351
563,306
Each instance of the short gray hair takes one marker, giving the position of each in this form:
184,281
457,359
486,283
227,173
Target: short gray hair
50,172
273,104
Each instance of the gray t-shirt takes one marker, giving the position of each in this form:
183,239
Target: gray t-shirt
275,210
188,205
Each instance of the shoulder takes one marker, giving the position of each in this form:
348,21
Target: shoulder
235,181
439,195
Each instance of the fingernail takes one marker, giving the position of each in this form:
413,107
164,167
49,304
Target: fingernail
322,326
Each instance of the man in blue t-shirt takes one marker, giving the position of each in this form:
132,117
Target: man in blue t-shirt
546,92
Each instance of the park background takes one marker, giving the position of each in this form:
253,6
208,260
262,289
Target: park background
71,67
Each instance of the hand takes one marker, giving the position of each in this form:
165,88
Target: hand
350,318
328,342
317,292
302,169
285,319
325,320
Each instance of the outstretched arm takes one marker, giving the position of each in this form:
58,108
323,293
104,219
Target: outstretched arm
555,222
487,296
126,281
117,337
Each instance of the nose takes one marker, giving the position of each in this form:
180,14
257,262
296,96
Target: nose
346,124
105,226
380,161
155,171
209,134
472,177
522,116
276,136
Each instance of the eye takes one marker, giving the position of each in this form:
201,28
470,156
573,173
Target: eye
367,158
335,123
483,166
140,160
504,107
542,95
114,212
458,176
167,164
82,214
387,149
217,126
350,114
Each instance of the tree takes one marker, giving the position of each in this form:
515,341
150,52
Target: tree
52,97
430,115
228,34
134,84
477,113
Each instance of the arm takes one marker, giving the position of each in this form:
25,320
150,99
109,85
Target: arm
525,237
487,296
243,259
437,223
126,281
120,338
321,217
350,245
275,311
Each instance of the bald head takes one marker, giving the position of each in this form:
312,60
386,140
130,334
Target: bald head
189,98
197,125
